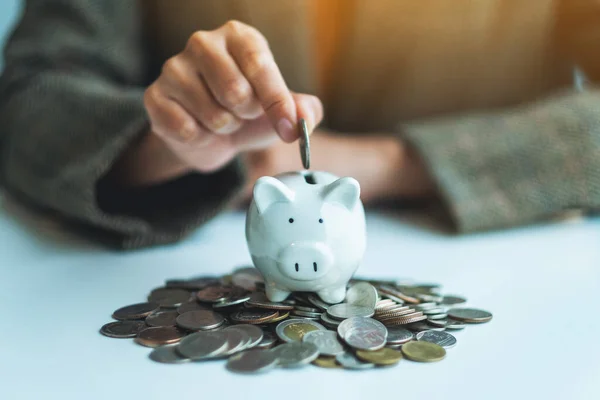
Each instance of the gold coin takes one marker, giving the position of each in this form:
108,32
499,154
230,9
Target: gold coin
326,362
423,351
281,317
383,356
297,331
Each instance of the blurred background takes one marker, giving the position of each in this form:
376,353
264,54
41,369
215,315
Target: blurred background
9,10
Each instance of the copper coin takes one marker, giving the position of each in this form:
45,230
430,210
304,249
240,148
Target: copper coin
169,298
282,315
159,336
135,311
122,329
236,296
214,294
396,313
162,318
192,306
253,316
260,300
201,320
404,320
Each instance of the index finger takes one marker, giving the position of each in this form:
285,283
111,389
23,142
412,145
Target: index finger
254,58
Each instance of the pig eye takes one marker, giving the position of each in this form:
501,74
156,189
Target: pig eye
291,220
320,220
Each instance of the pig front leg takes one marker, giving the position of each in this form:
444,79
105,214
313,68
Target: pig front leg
333,295
276,295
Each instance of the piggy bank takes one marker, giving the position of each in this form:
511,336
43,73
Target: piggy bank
306,232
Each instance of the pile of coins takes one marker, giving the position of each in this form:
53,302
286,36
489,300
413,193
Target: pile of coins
230,317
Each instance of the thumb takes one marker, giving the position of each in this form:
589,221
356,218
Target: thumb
310,108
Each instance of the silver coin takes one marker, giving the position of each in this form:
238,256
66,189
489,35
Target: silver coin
425,306
290,355
123,329
349,361
470,315
326,341
437,316
330,322
439,323
398,335
308,309
431,311
454,325
200,320
443,339
453,300
317,302
362,294
344,311
267,341
301,317
201,345
252,361
306,313
292,330
237,340
363,333
167,355
396,299
428,297
304,143
255,334
235,298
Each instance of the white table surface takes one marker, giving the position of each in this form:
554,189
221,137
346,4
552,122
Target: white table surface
541,283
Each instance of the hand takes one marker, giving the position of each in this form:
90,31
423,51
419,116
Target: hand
221,95
383,165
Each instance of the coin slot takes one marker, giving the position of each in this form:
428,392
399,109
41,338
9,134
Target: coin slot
297,267
310,179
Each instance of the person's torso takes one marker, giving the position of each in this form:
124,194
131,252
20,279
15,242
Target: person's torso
398,59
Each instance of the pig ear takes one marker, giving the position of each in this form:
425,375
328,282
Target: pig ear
268,190
345,191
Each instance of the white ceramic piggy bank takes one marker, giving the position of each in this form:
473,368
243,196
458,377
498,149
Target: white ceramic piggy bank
306,232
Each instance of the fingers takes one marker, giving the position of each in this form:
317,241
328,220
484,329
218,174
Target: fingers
227,84
251,53
181,83
310,108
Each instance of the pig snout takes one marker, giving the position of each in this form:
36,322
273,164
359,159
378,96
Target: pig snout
305,261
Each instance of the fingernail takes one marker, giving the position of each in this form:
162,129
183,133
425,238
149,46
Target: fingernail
187,133
286,129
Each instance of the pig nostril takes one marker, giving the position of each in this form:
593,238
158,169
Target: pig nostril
315,266
297,268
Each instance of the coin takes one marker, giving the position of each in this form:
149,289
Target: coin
344,311
329,322
349,361
167,355
162,318
425,306
454,325
268,340
260,300
437,316
403,320
418,326
201,345
326,362
199,320
383,356
192,306
295,354
282,315
438,323
317,302
363,333
122,329
135,311
388,290
159,336
255,334
237,340
214,294
253,316
294,330
304,143
168,297
431,311
307,309
471,315
362,294
453,300
326,341
306,314
252,361
398,335
247,278
423,351
236,296
192,284
443,339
